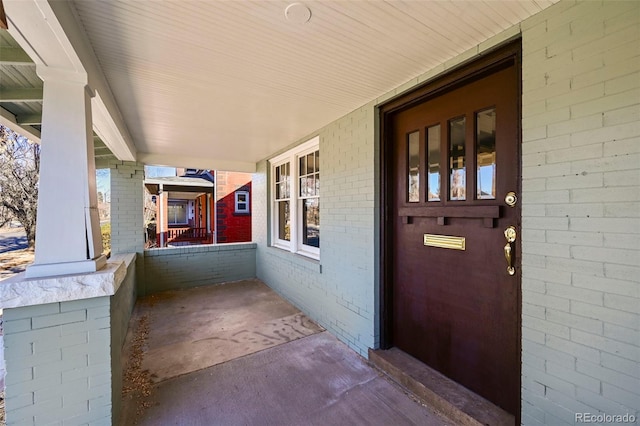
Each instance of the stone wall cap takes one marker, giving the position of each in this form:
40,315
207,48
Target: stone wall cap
19,291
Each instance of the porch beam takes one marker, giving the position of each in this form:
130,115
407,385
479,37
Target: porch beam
20,94
49,33
202,162
9,120
29,119
14,56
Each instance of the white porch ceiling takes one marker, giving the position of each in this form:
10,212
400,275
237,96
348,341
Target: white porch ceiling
224,84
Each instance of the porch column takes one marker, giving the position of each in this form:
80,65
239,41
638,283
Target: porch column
162,224
68,227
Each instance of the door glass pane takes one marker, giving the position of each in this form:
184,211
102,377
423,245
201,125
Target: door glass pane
413,167
486,154
458,177
433,163
311,222
284,227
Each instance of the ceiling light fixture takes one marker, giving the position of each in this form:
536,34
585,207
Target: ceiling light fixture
297,13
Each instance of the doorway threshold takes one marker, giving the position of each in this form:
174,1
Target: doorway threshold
435,390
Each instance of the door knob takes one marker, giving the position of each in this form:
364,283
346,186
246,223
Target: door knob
510,234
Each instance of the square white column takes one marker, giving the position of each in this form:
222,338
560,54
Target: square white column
68,239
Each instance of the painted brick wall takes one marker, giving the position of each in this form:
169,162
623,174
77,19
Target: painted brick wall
232,227
186,267
127,221
121,307
338,291
127,195
58,363
581,209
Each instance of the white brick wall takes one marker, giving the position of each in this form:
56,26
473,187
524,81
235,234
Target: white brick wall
581,226
127,199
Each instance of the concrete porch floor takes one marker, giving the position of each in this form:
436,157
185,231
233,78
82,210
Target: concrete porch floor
238,354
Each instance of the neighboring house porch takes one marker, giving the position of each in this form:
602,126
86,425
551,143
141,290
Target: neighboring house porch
184,211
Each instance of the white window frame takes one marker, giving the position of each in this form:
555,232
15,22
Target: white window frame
295,244
184,203
237,202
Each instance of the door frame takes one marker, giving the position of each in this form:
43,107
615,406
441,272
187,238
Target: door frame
503,56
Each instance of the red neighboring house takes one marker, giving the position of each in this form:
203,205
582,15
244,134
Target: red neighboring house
202,207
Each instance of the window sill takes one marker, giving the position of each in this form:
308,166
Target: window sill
310,263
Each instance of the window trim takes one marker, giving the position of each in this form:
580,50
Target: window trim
294,245
247,209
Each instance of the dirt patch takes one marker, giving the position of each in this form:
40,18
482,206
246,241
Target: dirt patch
14,262
136,381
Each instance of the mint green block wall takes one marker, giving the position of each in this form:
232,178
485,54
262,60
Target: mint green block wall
58,362
339,291
580,238
176,268
63,360
121,307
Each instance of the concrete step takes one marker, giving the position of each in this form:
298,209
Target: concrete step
435,390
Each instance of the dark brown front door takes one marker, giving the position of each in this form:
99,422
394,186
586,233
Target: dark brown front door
451,160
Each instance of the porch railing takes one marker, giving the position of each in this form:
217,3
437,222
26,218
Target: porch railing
186,235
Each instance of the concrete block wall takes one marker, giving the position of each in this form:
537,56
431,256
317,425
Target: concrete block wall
58,363
581,212
338,291
193,266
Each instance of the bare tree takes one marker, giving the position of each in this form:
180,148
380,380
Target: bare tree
19,172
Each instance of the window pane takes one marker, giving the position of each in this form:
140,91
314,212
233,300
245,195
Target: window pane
304,186
413,167
311,222
177,213
310,163
486,154
242,197
317,161
284,226
282,181
457,188
302,170
311,185
433,163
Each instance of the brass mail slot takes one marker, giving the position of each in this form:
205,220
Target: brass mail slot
444,241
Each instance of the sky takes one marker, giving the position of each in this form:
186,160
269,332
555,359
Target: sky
103,177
